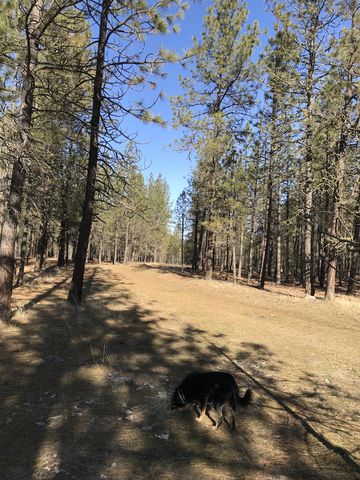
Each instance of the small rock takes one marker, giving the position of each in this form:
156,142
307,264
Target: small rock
54,358
147,428
163,436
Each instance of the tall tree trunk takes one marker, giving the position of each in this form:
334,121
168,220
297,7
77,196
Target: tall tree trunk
201,244
287,238
115,245
241,248
62,243
354,261
126,250
41,248
23,250
267,236
209,255
349,92
100,250
13,207
182,241
76,287
339,176
278,235
195,257
234,263
252,222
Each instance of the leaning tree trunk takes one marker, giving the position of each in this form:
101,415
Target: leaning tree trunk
13,207
76,287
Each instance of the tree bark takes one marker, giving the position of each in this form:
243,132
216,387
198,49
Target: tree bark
76,287
23,251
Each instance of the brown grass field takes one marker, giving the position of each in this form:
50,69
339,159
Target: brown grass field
83,392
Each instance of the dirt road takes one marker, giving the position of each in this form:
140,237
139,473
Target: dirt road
84,391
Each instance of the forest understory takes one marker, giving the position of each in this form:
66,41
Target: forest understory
84,390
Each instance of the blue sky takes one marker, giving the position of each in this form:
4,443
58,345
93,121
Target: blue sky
154,141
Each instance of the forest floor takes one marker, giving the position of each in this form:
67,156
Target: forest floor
83,392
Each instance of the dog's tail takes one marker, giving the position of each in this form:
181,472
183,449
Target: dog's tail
246,399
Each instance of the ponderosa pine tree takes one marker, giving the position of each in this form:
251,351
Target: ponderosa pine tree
37,16
220,88
134,20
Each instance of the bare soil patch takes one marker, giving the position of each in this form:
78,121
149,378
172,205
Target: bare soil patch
83,391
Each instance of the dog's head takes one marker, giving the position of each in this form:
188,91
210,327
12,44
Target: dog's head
177,399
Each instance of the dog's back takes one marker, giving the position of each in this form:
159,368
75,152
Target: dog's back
197,385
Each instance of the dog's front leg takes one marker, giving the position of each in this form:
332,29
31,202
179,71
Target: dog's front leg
219,411
203,409
209,417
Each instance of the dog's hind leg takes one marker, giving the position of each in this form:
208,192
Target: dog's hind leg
231,423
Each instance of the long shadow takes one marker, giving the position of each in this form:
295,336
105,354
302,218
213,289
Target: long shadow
84,396
258,353
79,385
44,295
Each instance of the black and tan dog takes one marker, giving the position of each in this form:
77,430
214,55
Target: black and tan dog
204,391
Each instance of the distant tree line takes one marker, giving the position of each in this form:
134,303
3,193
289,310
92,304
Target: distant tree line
275,193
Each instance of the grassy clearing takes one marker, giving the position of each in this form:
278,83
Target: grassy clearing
84,391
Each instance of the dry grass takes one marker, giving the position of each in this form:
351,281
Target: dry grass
85,391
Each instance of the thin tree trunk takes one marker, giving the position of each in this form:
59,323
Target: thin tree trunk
125,260
195,258
287,238
115,246
278,235
182,241
241,248
76,287
41,249
100,251
267,239
62,243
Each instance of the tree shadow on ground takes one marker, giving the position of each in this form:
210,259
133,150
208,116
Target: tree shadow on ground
312,416
84,396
